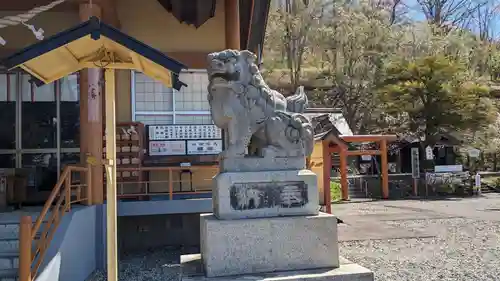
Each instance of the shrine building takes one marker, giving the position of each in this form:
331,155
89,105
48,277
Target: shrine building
53,140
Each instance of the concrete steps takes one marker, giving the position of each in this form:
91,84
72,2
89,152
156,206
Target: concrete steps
356,192
9,251
9,244
8,274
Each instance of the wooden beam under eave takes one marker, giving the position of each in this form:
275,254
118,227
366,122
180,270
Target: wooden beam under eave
368,138
362,152
69,56
136,60
34,73
111,65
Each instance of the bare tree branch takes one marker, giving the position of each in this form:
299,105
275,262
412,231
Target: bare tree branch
450,14
485,20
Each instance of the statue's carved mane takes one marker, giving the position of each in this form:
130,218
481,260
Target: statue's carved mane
247,61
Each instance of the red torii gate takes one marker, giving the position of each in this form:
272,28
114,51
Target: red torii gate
340,144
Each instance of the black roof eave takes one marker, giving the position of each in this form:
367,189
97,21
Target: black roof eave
95,28
259,24
253,26
334,131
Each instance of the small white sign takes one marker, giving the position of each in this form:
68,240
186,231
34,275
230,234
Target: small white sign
448,168
366,157
158,148
429,153
474,153
477,180
204,147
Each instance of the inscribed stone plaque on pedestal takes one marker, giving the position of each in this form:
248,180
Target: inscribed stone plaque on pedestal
265,194
261,195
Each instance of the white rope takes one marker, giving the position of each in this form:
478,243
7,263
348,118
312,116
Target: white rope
23,18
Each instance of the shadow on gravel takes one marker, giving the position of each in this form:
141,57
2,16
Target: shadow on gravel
431,198
436,198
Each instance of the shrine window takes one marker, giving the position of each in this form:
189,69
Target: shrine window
154,103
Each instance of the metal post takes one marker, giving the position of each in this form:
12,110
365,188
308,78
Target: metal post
112,252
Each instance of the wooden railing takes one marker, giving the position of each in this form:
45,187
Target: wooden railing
167,184
34,239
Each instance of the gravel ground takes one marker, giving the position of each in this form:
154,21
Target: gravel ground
463,250
158,265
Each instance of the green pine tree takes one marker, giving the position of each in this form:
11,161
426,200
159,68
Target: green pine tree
431,96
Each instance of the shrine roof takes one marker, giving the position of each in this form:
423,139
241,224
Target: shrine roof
93,44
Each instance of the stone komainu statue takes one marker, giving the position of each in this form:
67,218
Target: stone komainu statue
245,107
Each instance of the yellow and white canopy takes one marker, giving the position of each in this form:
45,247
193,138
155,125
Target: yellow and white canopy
94,44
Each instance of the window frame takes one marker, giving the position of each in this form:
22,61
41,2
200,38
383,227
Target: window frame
173,113
19,151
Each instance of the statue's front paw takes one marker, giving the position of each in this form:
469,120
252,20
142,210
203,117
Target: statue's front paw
231,153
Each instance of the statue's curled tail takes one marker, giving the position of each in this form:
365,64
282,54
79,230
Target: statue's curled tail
297,102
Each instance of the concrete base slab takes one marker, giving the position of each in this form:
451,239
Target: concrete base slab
192,270
243,195
231,247
356,230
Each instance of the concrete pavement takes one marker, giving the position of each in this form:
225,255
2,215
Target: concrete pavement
367,220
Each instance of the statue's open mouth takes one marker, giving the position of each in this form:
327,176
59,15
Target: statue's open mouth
235,76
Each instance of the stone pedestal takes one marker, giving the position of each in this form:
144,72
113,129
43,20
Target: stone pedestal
240,195
192,270
235,247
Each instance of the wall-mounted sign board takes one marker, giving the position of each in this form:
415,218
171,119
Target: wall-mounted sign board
204,147
161,148
164,140
184,132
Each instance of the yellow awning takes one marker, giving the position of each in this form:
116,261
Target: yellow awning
94,44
